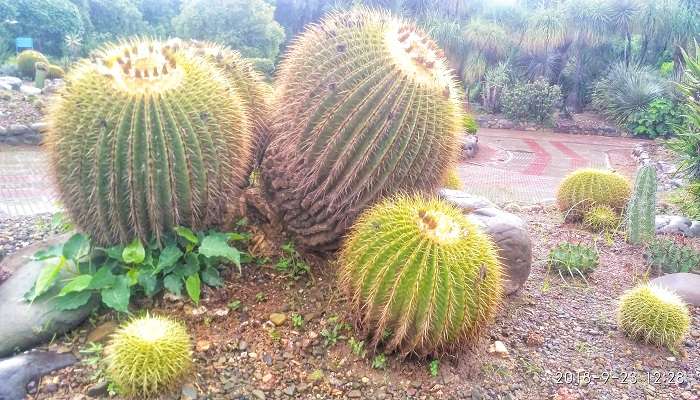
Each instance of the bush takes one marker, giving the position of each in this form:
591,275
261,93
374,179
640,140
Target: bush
159,14
496,80
113,19
245,25
586,188
626,91
47,22
530,101
659,118
687,143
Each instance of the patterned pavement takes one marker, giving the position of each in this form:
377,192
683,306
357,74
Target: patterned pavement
517,166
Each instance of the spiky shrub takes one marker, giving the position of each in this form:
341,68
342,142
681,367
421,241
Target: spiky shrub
148,356
653,315
365,106
601,219
27,60
417,268
568,259
668,256
55,72
585,188
147,138
641,210
452,180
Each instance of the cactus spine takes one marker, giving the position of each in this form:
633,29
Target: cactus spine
641,210
146,138
365,106
417,269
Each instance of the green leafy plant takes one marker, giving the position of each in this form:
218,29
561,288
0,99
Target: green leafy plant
379,361
658,119
234,305
688,200
380,137
357,347
670,257
333,332
585,188
601,218
148,355
653,315
46,21
496,80
469,124
569,259
434,368
530,101
92,353
641,209
291,263
393,267
297,321
260,297
116,273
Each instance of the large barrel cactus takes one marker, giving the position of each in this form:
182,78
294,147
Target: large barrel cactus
365,106
420,277
586,188
145,138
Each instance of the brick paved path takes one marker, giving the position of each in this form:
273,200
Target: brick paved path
511,165
526,167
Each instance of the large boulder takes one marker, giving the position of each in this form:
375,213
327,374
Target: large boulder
508,231
685,284
25,325
677,225
17,371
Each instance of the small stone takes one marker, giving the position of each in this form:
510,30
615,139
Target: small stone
189,392
267,378
203,345
259,394
290,390
278,318
98,390
253,354
354,394
242,345
365,380
499,348
50,388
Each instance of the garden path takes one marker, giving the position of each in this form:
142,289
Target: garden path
511,165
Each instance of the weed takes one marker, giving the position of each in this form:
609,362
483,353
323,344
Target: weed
234,305
379,361
291,263
260,297
357,347
434,368
315,376
297,321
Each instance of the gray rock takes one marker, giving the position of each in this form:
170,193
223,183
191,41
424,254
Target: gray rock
17,371
676,225
189,392
12,82
694,229
23,324
18,130
509,233
463,200
39,127
470,145
99,389
685,284
30,90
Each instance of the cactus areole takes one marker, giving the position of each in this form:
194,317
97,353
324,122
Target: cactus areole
365,106
145,138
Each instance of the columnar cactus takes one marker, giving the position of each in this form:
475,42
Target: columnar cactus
26,62
641,210
585,188
148,356
653,315
365,106
146,138
420,277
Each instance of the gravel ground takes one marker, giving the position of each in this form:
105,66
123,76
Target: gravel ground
562,341
18,108
19,232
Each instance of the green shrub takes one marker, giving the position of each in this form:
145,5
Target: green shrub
668,256
159,14
496,80
687,142
115,19
530,101
659,118
569,259
47,22
245,25
470,125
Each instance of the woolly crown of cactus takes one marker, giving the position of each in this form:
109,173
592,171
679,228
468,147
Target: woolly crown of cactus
585,188
653,315
417,269
27,60
145,138
365,106
148,355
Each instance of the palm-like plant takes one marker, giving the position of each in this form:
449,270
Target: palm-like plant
687,143
546,31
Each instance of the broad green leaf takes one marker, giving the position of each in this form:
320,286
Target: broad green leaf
115,252
216,245
194,287
168,257
211,277
77,247
186,234
47,277
149,283
72,300
103,278
51,252
234,236
190,267
77,284
134,253
117,296
173,283
133,275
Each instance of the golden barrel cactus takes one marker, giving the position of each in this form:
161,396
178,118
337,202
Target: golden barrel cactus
145,138
365,106
420,277
585,188
26,62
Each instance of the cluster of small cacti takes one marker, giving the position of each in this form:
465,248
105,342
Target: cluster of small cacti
641,210
417,268
452,181
668,256
653,315
601,218
148,355
585,188
365,106
572,260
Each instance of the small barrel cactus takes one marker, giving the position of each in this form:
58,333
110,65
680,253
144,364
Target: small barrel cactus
55,72
365,106
585,188
420,277
653,315
641,210
146,138
572,260
601,218
26,62
148,355
452,180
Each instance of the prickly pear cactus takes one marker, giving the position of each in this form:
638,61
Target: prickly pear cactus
416,270
585,188
365,106
641,210
146,138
